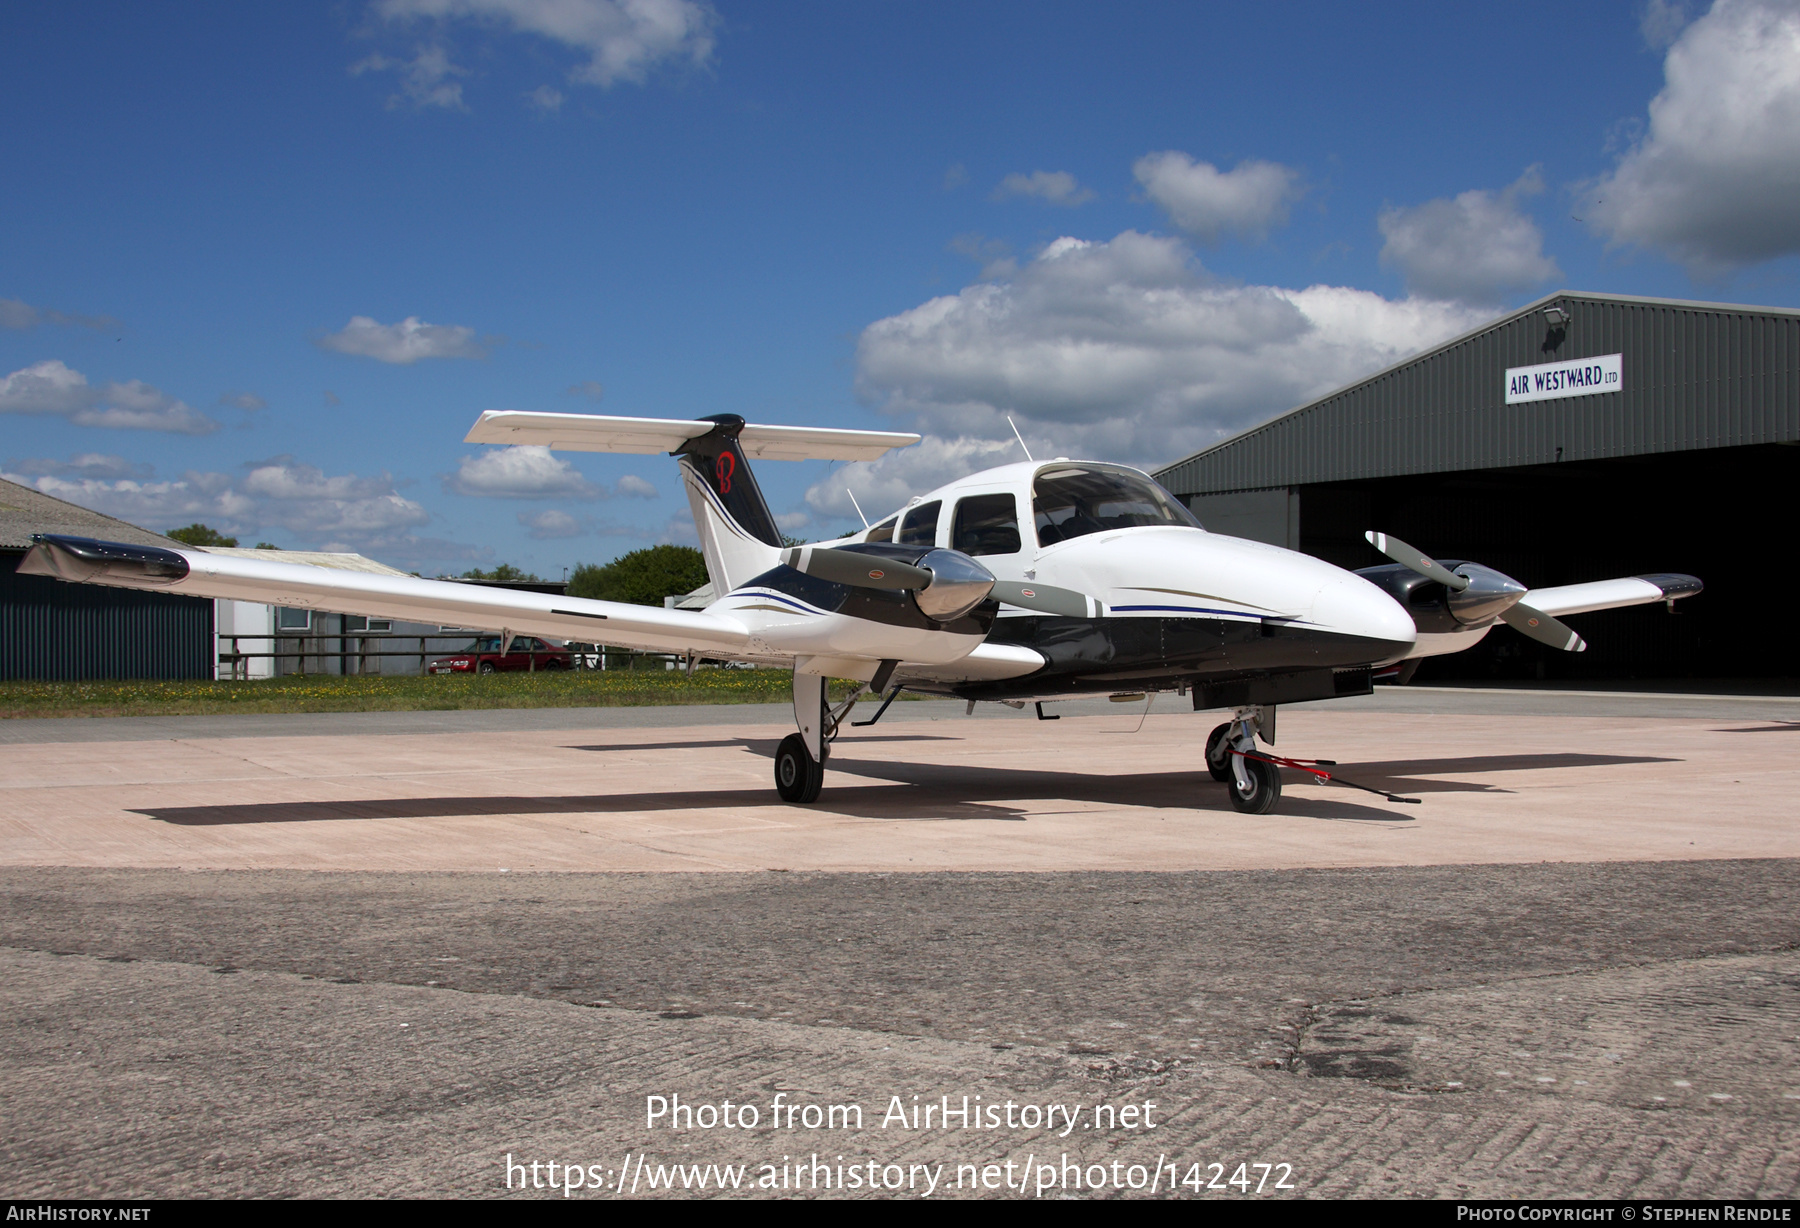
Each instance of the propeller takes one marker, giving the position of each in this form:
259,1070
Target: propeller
951,571
1477,595
1542,627
856,569
1411,557
1046,599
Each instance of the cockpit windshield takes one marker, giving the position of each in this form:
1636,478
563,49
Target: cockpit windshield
1076,500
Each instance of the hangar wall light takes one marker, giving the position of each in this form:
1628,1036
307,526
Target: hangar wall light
1557,316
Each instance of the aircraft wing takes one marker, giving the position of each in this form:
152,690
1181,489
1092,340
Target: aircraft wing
444,602
605,433
1610,594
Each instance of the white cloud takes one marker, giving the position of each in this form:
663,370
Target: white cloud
1661,22
632,486
1122,350
993,255
306,501
1477,247
342,512
157,506
243,400
883,485
52,387
1056,187
1714,182
679,530
528,471
82,465
403,343
548,525
426,80
622,39
546,98
16,314
588,389
1249,200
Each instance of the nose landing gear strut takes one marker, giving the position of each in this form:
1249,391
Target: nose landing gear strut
1253,777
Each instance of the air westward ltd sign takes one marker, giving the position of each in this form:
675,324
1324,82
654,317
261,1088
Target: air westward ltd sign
1578,377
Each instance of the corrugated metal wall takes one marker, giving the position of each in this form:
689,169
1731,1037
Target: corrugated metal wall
1696,376
61,632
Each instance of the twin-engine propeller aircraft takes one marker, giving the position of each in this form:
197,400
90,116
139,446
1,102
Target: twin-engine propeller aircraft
1025,583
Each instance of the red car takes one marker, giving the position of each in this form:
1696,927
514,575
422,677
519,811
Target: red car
484,657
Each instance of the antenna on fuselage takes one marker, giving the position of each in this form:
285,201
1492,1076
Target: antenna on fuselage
856,505
1017,436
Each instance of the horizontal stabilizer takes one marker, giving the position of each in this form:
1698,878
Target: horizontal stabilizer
605,433
1611,594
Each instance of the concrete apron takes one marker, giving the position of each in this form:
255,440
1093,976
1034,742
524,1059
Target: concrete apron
941,793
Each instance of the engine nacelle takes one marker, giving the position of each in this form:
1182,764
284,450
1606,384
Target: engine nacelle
1435,609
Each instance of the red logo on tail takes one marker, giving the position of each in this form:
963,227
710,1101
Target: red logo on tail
723,468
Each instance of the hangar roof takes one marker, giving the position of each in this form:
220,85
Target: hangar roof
24,511
1694,375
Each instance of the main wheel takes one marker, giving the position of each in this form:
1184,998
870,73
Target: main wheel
1265,787
1218,753
798,776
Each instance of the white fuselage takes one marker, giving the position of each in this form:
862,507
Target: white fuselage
1166,571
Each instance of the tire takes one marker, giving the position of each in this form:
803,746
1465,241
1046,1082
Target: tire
798,776
486,667
549,666
1218,754
1265,787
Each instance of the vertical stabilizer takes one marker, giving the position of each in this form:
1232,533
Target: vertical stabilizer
737,531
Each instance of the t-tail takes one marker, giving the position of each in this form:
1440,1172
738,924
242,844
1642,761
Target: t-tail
737,531
738,534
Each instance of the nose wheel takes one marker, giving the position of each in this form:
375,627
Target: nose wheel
1256,786
1252,780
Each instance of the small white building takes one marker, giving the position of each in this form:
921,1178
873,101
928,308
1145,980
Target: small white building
264,641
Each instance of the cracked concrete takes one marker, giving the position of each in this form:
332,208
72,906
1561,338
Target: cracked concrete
1601,1014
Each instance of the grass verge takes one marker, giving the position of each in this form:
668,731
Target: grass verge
324,693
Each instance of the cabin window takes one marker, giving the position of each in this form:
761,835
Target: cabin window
288,618
920,526
1077,500
986,524
883,532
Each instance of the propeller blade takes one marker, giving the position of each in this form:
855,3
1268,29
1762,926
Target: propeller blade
1045,599
855,569
1410,556
1542,627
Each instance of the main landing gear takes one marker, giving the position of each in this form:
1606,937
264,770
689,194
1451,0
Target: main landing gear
1252,782
800,759
798,776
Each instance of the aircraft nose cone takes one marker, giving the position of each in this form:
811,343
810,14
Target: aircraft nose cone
1352,606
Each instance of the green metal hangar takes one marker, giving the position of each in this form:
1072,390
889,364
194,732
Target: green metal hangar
1583,437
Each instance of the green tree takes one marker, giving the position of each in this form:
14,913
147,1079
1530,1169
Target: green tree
505,573
643,577
198,534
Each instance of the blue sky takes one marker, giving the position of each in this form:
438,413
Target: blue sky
1134,228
